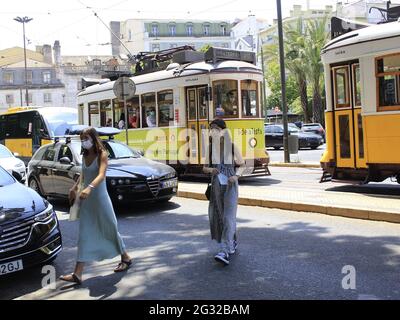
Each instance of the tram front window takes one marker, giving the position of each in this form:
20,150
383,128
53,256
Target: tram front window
249,98
226,99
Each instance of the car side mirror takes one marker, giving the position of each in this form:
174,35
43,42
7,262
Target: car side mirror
16,154
17,176
66,160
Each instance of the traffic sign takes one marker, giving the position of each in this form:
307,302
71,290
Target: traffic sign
124,88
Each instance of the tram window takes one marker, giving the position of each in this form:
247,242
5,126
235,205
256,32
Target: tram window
249,90
357,85
105,113
360,136
341,87
192,104
388,77
202,96
226,98
94,116
149,110
119,114
133,113
344,134
165,108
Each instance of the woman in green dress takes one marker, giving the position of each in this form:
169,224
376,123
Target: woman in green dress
98,231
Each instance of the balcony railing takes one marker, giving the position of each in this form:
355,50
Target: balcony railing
82,70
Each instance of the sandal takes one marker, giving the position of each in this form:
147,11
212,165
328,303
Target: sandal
74,278
123,266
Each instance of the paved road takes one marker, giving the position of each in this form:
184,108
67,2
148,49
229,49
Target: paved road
282,255
304,155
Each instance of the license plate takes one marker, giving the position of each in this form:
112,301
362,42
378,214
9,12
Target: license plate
11,267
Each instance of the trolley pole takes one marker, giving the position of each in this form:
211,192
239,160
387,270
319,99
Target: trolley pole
283,83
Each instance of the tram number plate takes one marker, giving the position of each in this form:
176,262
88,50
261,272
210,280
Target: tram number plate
11,267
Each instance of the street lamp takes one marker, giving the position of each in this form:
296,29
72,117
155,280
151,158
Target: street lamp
24,20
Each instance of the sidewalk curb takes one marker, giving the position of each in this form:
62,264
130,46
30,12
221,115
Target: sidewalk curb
294,165
307,207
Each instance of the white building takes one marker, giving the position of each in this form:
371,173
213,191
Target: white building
154,35
245,33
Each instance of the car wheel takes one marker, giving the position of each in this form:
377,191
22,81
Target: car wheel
33,184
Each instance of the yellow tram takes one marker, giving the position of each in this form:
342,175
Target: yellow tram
362,80
167,117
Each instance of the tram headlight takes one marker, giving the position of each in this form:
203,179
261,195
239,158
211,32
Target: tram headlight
113,182
253,142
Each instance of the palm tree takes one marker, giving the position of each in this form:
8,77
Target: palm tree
314,42
295,60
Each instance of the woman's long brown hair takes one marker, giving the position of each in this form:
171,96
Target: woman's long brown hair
97,143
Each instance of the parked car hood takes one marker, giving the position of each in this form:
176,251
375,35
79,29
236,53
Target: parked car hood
18,201
138,166
9,163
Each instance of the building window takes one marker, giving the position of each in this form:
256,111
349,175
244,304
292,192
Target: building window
154,30
8,78
388,78
155,47
130,35
46,77
172,30
206,30
9,99
29,77
47,97
189,30
223,30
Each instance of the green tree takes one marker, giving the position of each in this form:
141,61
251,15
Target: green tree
274,85
295,61
317,37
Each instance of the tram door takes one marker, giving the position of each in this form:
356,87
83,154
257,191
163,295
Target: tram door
197,110
349,133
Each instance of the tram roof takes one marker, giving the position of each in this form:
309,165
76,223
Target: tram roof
180,70
370,33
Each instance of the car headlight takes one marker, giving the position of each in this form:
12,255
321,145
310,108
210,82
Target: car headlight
43,216
170,175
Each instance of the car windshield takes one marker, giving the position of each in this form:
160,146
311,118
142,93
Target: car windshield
60,122
5,178
120,151
4,153
290,129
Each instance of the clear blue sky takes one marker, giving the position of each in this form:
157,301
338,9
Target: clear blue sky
81,33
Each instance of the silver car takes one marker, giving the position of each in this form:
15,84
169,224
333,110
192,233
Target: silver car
11,163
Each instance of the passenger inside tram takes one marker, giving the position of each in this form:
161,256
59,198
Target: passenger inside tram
151,118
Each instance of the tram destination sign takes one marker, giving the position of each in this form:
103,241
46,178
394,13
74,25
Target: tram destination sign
220,54
124,88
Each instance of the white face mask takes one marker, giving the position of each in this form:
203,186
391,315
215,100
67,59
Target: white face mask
87,144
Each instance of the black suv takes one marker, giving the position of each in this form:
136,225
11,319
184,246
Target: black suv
29,229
